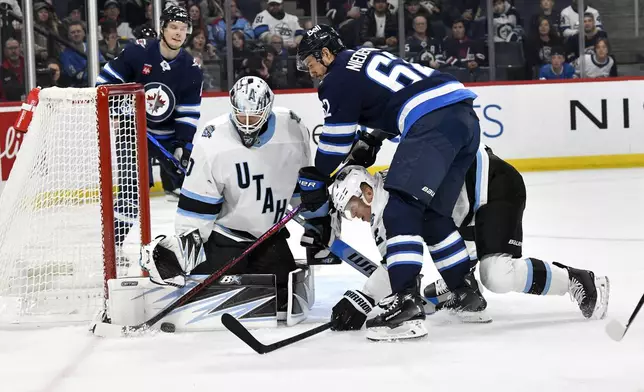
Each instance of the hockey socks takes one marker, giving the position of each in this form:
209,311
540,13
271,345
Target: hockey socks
451,259
544,279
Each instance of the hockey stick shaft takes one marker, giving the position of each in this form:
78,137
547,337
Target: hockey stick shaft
166,153
637,309
211,278
234,326
346,253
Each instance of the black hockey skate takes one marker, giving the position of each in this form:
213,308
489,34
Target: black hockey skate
402,319
590,292
466,302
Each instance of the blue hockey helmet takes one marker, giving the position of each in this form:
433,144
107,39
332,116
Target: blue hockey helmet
314,40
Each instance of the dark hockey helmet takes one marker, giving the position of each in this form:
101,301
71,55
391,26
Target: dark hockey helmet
174,13
144,32
320,36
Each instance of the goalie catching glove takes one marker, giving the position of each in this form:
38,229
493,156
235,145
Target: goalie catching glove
351,311
168,259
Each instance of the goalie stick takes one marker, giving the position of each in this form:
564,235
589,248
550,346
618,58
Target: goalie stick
111,330
616,330
234,326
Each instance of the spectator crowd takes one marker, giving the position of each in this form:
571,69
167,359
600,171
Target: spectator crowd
450,35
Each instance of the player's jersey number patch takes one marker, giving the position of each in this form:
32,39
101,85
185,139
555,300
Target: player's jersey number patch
393,73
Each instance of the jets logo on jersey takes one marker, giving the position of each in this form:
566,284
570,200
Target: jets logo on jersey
283,29
159,101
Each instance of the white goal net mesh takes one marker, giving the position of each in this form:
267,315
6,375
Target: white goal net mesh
51,226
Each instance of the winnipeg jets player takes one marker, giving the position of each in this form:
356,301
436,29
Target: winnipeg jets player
242,174
433,115
173,82
489,212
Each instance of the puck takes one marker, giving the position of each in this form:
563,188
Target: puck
168,327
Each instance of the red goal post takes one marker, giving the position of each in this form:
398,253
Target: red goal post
81,170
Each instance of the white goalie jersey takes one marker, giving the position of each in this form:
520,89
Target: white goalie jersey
241,192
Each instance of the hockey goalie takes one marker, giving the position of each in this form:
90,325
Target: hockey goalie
241,177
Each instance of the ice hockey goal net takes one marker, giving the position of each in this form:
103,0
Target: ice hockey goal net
82,164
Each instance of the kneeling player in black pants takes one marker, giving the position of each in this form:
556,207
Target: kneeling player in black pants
489,215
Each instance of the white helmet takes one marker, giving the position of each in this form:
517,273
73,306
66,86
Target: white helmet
347,185
250,97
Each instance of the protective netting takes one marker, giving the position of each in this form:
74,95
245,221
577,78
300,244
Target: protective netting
51,242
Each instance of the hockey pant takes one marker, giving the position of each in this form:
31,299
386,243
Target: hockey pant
424,180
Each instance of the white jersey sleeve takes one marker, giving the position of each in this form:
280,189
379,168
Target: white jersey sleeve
306,157
202,192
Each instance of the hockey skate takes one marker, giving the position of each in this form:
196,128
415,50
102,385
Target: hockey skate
590,292
467,303
402,319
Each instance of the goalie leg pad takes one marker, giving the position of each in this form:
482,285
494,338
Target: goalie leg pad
301,295
251,298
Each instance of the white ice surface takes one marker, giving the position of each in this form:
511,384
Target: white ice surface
588,219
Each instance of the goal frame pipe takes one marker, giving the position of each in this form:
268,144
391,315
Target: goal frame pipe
105,170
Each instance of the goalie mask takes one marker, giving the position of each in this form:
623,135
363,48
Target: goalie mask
252,102
346,191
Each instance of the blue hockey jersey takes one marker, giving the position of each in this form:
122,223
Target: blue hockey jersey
376,89
172,88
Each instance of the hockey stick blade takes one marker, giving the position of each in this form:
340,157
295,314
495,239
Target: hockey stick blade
234,326
112,331
616,330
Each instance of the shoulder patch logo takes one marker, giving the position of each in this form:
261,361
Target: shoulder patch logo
141,42
147,68
207,131
326,107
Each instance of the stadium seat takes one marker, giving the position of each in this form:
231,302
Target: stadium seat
509,54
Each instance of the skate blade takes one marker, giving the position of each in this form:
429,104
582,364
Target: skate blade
414,329
601,307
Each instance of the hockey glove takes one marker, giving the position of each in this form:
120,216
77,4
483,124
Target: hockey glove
314,192
318,236
351,311
182,151
364,150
